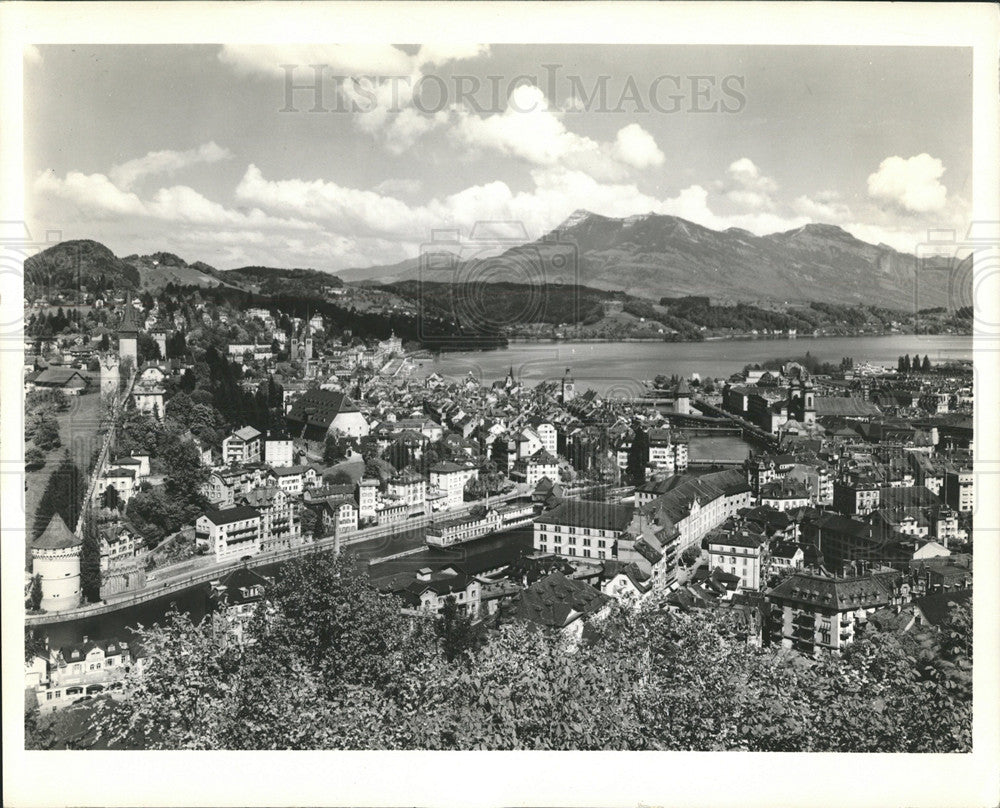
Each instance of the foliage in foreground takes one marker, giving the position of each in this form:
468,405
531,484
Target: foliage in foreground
335,666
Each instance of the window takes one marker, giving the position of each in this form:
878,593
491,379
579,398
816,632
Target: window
572,540
542,547
586,553
572,552
600,554
586,542
600,543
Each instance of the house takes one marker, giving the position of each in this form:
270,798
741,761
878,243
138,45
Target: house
563,604
238,595
242,446
230,533
72,672
367,499
317,413
408,487
811,612
70,381
278,450
119,543
784,495
427,593
741,553
450,478
292,479
280,526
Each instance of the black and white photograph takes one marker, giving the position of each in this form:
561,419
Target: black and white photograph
502,390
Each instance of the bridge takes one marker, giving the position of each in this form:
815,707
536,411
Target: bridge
749,431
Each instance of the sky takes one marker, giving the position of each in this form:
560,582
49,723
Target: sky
203,151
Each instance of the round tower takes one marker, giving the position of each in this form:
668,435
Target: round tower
55,556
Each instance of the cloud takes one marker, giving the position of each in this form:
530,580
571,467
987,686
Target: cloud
824,207
637,148
126,174
910,185
378,81
399,186
530,130
746,187
89,197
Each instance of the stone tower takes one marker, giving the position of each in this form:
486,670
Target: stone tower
682,401
128,335
109,375
55,556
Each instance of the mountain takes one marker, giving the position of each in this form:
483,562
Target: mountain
655,255
72,264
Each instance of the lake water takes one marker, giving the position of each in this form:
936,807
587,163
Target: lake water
618,368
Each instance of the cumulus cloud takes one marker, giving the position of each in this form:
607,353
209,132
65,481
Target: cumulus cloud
637,148
529,129
97,197
377,81
167,161
399,186
747,187
911,184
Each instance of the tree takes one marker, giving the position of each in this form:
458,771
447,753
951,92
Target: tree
34,458
63,495
90,561
691,555
34,602
47,433
454,629
926,366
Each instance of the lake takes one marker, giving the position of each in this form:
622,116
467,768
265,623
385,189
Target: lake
618,368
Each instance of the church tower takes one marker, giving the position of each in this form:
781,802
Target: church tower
55,556
809,406
568,391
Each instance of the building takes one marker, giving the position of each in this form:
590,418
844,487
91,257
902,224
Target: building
694,505
856,497
317,413
368,500
128,336
450,478
578,528
427,593
784,495
55,557
79,670
237,597
958,489
242,446
408,487
280,526
278,451
534,469
813,612
231,533
459,529
741,553
561,604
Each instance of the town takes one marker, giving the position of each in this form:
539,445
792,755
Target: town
225,440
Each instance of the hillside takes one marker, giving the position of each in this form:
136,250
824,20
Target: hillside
654,256
161,268
74,265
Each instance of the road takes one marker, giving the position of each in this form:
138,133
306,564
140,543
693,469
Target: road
380,541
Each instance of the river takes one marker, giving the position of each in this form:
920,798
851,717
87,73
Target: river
618,368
